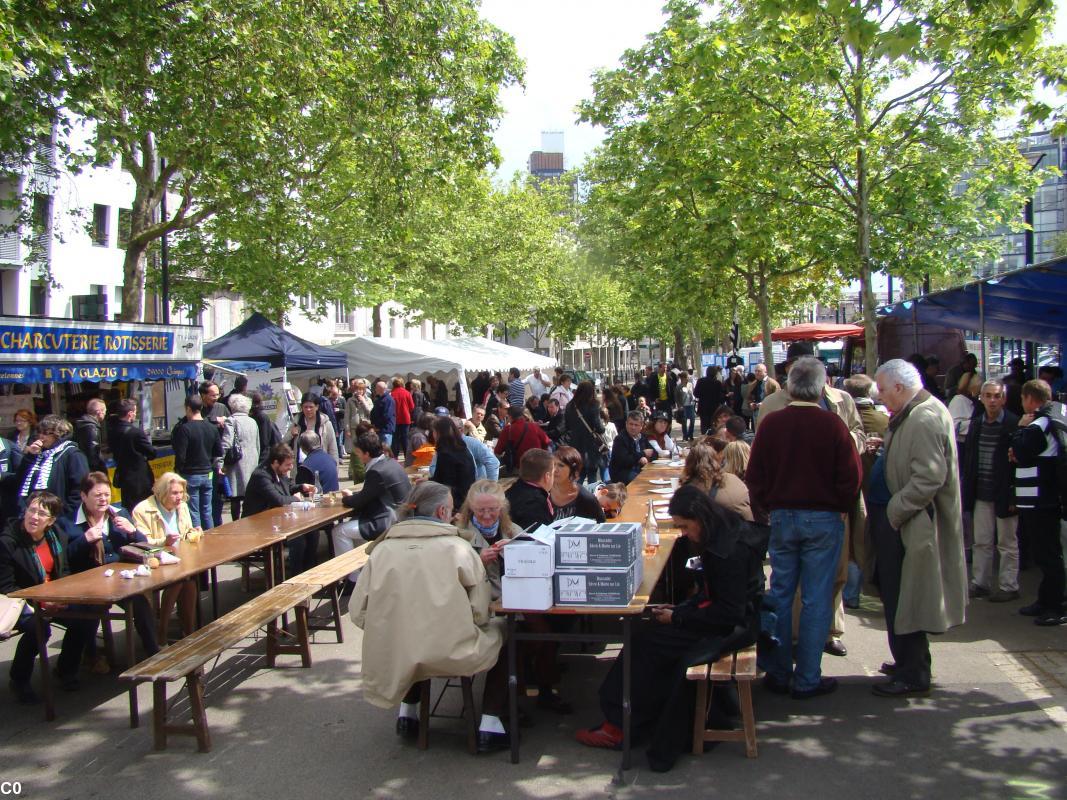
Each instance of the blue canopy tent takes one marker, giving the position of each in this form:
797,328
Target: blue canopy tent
259,339
1029,303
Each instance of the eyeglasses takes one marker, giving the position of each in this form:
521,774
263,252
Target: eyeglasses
38,513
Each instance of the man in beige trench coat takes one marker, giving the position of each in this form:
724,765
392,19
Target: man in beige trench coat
919,559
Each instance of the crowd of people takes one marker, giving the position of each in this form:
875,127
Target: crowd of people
892,481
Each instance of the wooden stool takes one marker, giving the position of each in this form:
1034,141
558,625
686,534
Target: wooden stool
425,712
738,668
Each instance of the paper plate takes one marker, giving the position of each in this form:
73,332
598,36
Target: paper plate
661,481
667,492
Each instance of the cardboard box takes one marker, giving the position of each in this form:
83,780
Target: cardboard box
597,587
609,545
531,555
532,594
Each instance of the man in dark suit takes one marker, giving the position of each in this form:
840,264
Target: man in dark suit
270,487
385,487
132,450
630,451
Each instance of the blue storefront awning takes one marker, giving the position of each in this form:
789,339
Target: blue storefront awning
95,373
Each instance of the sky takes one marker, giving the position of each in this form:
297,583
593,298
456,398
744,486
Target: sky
563,43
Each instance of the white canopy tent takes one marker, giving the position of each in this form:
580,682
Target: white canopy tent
369,357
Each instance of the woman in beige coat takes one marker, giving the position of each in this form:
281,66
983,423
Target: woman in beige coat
422,601
165,520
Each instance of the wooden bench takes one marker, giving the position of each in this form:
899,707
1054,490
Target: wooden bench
739,668
327,576
187,657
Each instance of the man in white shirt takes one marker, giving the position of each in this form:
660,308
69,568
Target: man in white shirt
538,385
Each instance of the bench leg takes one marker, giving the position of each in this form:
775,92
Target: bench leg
470,715
335,609
302,635
272,642
159,715
424,714
700,715
196,703
748,718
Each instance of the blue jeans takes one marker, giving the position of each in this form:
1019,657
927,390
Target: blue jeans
387,440
804,549
689,421
200,494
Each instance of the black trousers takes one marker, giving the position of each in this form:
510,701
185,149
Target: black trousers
78,631
303,552
661,699
911,651
1043,527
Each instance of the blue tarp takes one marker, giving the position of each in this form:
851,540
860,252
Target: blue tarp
259,339
1029,304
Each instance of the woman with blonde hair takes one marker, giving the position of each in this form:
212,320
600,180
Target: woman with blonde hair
703,469
735,458
484,522
164,519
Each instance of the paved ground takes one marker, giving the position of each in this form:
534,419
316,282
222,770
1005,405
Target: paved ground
995,727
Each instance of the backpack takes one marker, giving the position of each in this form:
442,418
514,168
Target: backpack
234,453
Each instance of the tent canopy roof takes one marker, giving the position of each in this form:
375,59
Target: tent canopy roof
1029,303
259,339
814,332
368,355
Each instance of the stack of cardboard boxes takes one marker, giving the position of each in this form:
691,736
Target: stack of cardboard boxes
574,562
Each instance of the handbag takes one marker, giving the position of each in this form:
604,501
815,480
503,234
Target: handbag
10,612
602,448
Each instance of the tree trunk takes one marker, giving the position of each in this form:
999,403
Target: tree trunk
680,360
863,225
697,345
133,278
758,294
376,321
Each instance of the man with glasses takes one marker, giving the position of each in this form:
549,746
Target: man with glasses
987,489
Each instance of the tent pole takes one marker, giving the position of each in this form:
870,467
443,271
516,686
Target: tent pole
981,322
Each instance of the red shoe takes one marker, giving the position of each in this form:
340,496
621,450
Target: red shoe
606,736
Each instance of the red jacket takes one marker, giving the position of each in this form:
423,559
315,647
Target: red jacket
404,405
522,435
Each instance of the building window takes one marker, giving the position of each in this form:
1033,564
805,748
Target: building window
125,215
38,296
100,220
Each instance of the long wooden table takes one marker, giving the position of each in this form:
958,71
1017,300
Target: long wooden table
635,509
268,530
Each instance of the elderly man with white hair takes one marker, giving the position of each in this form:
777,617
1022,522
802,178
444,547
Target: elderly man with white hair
806,471
918,538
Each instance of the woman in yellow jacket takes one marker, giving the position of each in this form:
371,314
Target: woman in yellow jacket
165,520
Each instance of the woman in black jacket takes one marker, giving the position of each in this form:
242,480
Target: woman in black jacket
32,552
453,463
52,462
585,430
569,497
722,617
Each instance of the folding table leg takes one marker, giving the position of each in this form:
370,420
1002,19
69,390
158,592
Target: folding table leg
42,654
626,689
513,690
130,661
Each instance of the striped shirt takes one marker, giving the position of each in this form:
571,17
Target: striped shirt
988,438
1035,485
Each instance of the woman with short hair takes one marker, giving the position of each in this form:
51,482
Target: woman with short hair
703,470
242,429
164,519
569,497
53,463
484,521
33,551
97,535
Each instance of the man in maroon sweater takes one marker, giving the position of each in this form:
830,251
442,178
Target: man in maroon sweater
805,470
